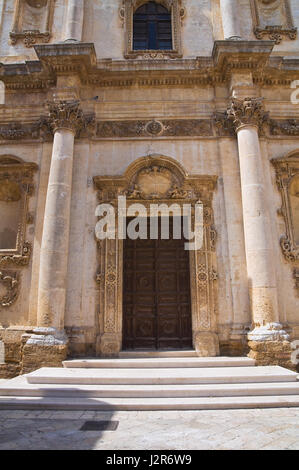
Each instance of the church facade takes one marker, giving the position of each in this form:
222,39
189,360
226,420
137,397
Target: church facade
169,103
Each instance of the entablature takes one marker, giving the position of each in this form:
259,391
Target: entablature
80,59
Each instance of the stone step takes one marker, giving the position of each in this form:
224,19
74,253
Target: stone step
160,353
160,362
135,404
20,387
170,376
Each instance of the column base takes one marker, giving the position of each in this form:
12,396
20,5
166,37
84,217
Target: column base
206,344
46,347
270,345
234,38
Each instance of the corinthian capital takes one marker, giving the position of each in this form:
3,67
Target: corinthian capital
249,111
66,115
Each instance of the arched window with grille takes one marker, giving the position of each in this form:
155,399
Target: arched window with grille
152,28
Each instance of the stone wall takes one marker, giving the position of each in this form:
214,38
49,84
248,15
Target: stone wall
103,27
197,89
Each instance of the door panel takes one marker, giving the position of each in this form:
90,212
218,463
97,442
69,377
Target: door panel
157,304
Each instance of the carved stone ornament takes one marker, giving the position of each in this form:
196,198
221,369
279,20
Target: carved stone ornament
152,179
272,19
249,111
126,14
296,277
284,127
16,184
60,115
19,131
287,178
68,115
10,281
224,126
155,128
32,28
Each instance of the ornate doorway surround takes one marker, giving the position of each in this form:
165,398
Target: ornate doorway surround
162,180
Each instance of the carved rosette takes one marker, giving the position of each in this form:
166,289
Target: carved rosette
249,111
147,180
11,283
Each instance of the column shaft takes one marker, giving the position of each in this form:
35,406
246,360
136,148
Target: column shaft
259,251
235,234
55,240
230,19
74,20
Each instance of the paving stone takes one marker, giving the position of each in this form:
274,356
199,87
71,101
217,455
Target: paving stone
255,429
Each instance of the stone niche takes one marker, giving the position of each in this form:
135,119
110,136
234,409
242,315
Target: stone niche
273,20
32,21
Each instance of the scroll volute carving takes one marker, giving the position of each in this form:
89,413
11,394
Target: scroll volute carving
10,283
16,187
287,177
32,21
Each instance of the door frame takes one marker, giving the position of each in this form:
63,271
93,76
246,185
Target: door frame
203,262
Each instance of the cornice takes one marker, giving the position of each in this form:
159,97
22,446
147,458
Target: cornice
80,59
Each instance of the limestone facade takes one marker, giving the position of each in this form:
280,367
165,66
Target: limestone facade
84,116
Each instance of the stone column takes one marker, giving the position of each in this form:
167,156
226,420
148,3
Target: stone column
268,341
48,346
230,19
74,20
236,261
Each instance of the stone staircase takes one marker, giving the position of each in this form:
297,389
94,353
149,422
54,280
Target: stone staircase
170,380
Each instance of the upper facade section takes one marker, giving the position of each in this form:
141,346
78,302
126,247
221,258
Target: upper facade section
137,29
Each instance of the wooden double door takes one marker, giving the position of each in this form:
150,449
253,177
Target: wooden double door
156,296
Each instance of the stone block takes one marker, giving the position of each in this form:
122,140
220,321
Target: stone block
271,353
206,344
37,355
